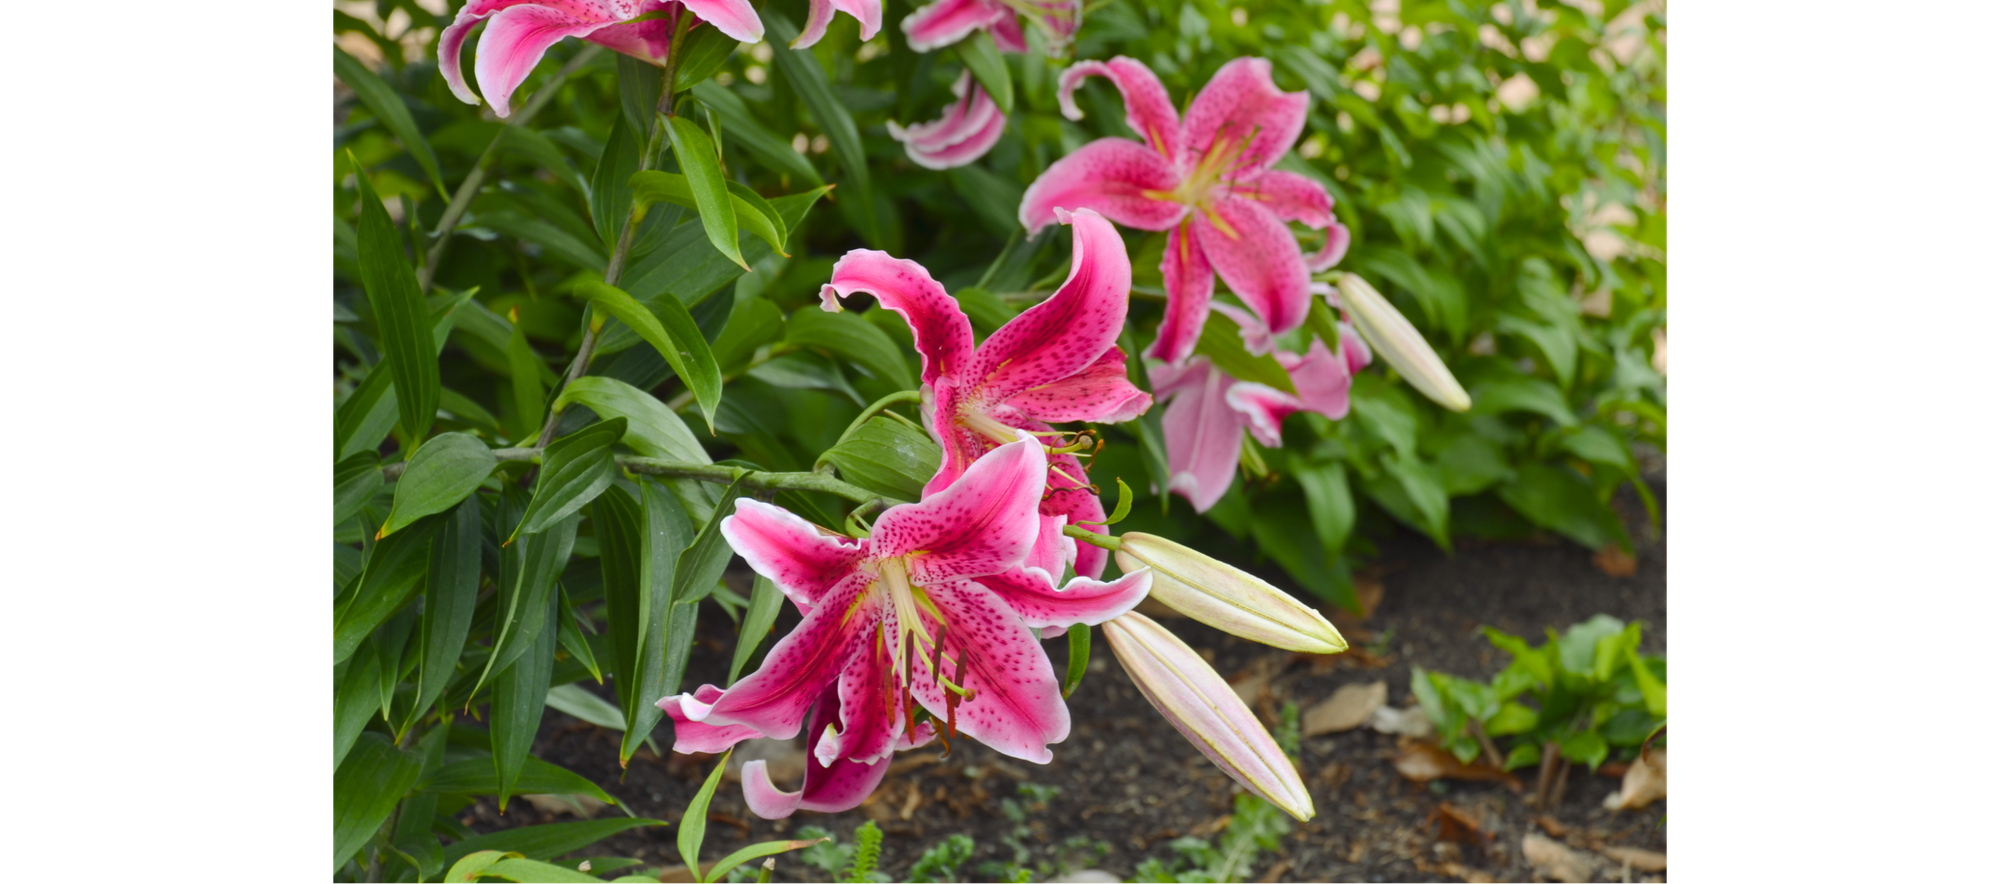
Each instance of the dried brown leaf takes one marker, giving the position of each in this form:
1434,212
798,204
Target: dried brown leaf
1423,762
1615,562
1640,859
1645,782
1347,709
1556,860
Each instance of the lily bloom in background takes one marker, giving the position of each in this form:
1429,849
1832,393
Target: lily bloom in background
931,610
520,31
820,14
1056,362
1207,180
1189,694
1208,410
962,135
945,22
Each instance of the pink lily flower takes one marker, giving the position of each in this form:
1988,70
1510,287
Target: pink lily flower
964,134
1207,411
819,14
1056,362
1207,179
522,30
931,610
945,22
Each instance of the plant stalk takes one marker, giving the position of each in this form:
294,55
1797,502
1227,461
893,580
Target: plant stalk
720,474
469,188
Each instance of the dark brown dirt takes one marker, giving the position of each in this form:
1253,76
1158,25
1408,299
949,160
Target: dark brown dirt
1130,783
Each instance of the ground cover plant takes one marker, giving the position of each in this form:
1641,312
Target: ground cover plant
648,285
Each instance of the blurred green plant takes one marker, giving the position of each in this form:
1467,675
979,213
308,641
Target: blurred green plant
1255,827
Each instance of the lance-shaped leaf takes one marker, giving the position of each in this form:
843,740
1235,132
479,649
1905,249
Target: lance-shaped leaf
651,429
672,332
474,776
388,107
669,629
750,212
852,338
369,413
354,693
510,868
575,469
355,481
694,826
696,154
888,457
802,70
451,592
445,469
400,314
982,56
720,869
395,564
765,600
366,787
569,633
702,564
703,52
1220,342
745,130
547,841
520,693
413,837
527,578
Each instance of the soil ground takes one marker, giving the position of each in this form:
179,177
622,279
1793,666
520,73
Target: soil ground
1130,784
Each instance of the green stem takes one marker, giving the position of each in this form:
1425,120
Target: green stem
1104,541
720,474
469,188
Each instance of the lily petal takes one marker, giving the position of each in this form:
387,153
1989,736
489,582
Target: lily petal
945,22
1081,600
1053,549
984,523
1241,102
819,14
802,560
1190,288
452,40
943,334
1290,196
736,18
1100,393
1263,409
1068,332
1111,176
1148,110
1006,31
870,722
1337,240
1204,440
514,41
828,788
774,699
697,736
962,135
1322,378
1017,705
1259,260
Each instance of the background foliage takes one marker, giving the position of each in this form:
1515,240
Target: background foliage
1502,169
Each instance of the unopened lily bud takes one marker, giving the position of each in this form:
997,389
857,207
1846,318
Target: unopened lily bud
1396,340
1190,695
1227,598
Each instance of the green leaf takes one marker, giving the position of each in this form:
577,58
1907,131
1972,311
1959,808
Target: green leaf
413,837
445,470
1522,394
570,635
757,851
355,701
750,212
1513,718
1330,502
395,565
1587,747
745,130
467,411
546,842
889,457
704,180
527,578
651,429
451,592
850,337
610,190
765,600
1223,345
1601,447
400,315
388,107
574,700
802,70
366,787
694,824
525,367
575,469
703,52
1079,658
689,268
1650,687
365,419
1523,755
702,563
355,481
474,865
1556,498
982,56
474,776
520,693
1578,645
532,870
638,93
665,630
672,332
1426,495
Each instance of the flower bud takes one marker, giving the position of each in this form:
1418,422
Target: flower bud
1227,598
1191,696
1396,340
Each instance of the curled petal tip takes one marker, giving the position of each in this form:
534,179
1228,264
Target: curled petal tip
829,299
1062,215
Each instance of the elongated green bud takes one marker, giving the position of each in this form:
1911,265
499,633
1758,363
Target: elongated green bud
1227,598
1396,340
